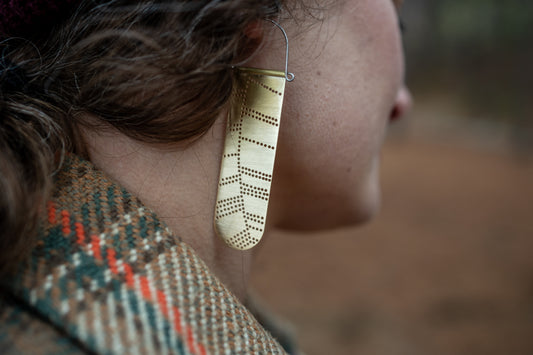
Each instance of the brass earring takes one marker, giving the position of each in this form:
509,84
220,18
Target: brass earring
249,153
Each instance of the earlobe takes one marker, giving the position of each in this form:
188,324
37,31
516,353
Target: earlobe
253,35
255,31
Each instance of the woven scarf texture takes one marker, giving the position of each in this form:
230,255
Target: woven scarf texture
108,277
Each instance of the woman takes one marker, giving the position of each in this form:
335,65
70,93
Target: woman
109,103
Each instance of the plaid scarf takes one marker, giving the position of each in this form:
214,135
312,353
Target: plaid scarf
108,277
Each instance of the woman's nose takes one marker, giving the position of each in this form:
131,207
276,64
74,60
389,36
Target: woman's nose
402,105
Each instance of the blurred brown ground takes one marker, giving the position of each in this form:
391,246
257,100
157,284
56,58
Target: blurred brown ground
446,268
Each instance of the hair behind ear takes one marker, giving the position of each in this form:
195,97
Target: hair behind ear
26,164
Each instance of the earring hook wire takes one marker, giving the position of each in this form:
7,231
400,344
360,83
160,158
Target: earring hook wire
288,76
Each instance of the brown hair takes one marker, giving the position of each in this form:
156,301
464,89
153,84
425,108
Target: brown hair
159,71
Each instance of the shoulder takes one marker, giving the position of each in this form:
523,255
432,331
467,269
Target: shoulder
108,275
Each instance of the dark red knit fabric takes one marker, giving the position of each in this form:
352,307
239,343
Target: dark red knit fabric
32,18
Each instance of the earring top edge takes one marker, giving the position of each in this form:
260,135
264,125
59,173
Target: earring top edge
262,71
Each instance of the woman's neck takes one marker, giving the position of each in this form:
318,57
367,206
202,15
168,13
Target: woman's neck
180,185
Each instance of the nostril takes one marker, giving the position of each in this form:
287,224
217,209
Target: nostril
402,105
395,113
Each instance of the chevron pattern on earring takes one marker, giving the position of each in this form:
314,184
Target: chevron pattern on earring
248,158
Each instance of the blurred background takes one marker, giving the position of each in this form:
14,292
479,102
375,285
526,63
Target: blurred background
447,267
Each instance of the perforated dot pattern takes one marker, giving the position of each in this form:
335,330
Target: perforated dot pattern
248,158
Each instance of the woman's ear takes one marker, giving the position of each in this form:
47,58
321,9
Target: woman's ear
255,30
254,34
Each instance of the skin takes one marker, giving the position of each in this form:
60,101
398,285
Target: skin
349,85
336,114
